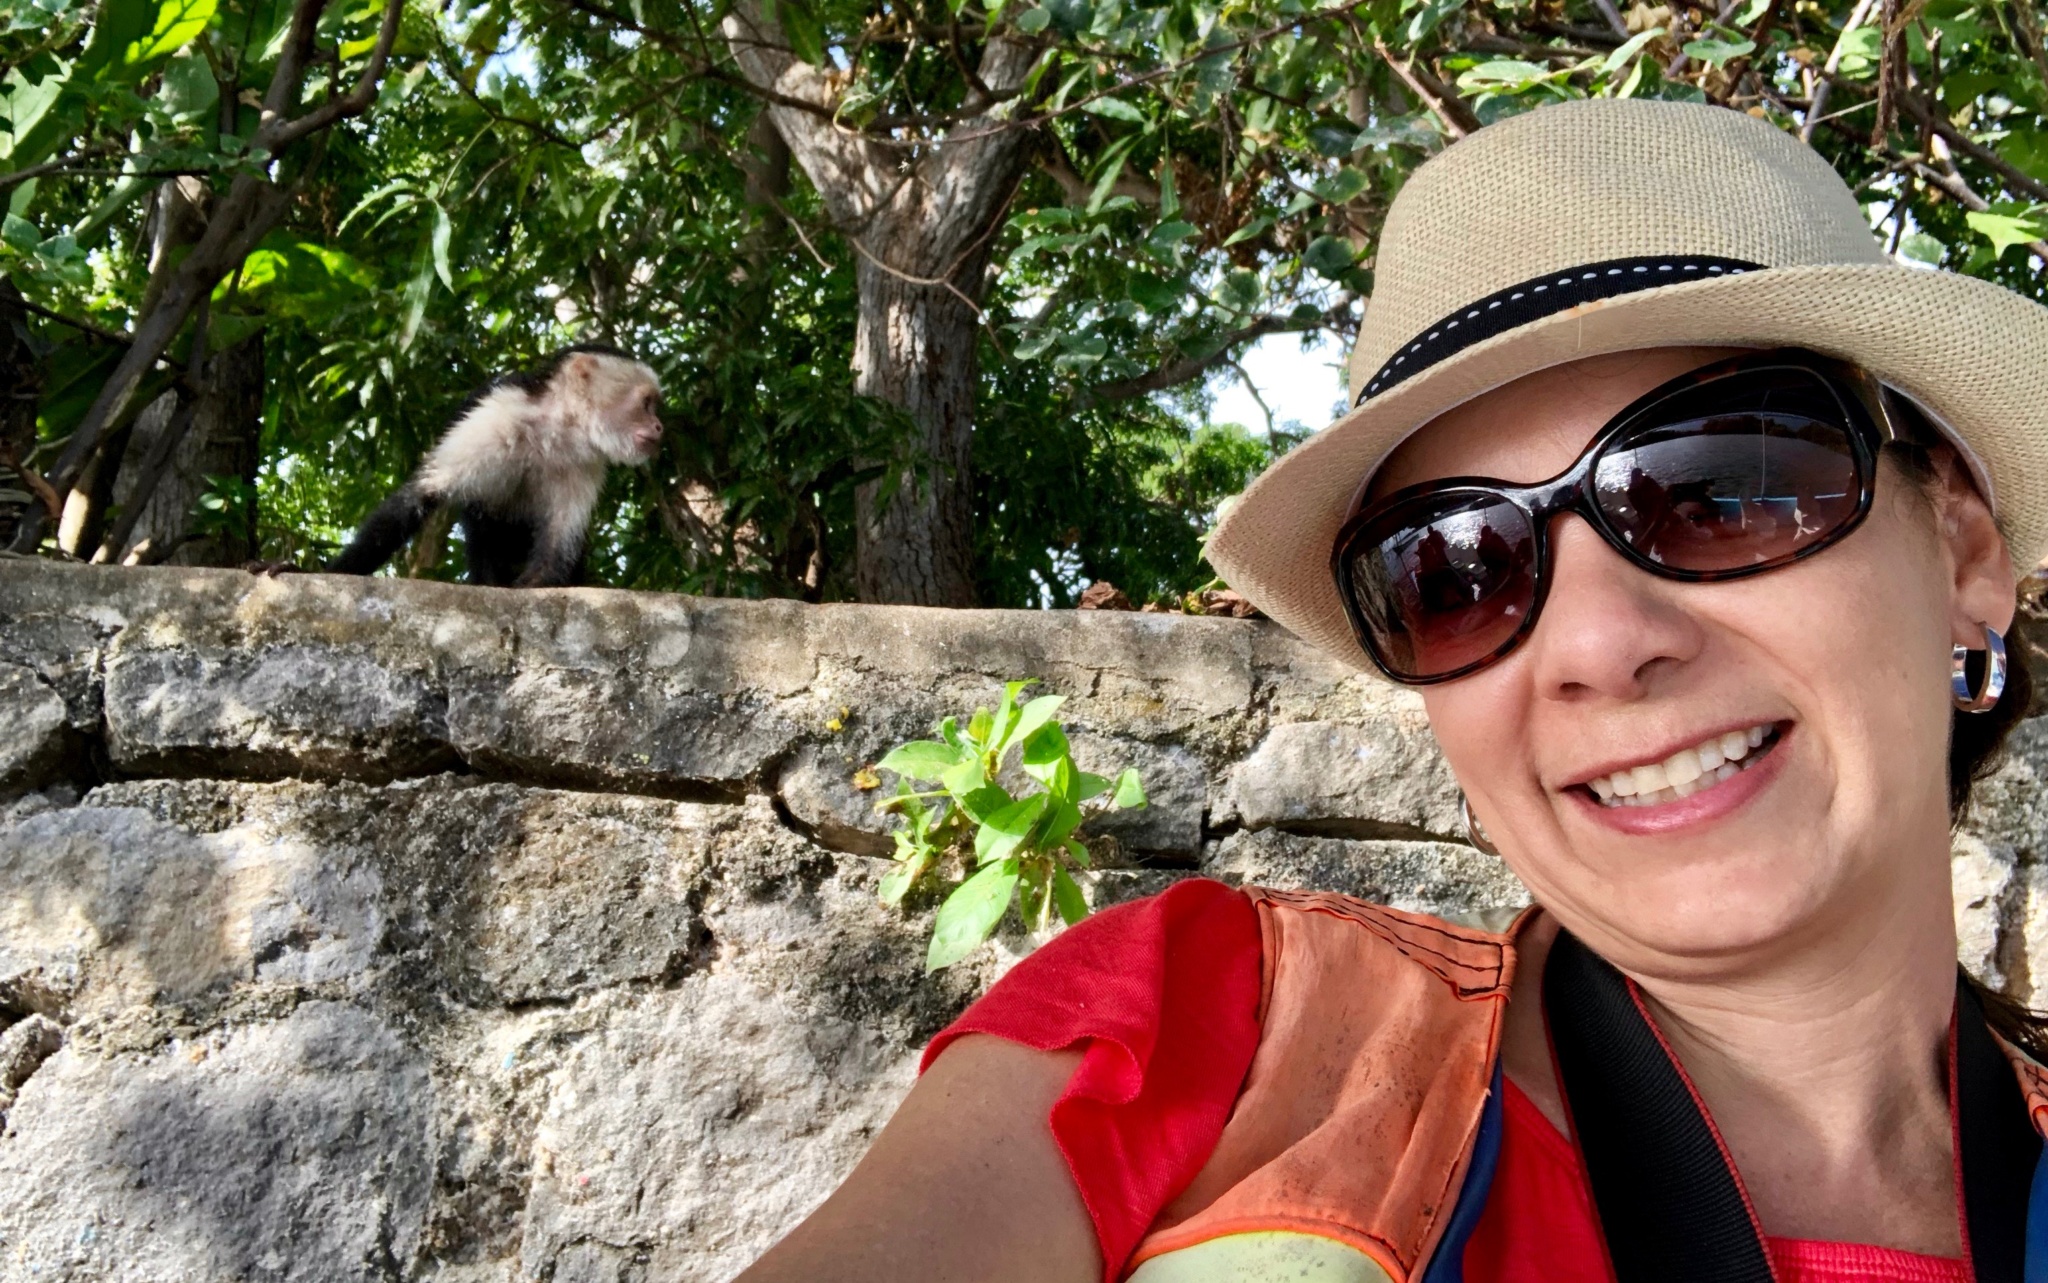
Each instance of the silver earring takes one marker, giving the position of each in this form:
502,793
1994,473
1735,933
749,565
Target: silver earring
1986,698
1475,832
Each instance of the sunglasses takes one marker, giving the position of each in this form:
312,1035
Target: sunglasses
1733,469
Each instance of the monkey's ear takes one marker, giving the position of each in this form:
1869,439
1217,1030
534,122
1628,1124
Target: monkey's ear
582,367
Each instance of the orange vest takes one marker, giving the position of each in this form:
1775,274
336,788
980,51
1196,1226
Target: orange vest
1354,1132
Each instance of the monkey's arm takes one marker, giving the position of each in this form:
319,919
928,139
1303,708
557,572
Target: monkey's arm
386,530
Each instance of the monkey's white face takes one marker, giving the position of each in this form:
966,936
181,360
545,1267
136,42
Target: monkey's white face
634,420
616,402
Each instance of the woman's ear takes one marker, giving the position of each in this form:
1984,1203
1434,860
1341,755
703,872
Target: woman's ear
1983,588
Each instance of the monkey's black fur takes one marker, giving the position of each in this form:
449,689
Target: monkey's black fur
503,550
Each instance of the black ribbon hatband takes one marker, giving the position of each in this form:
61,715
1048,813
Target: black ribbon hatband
1542,296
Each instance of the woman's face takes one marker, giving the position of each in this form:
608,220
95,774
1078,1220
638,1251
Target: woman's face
1840,661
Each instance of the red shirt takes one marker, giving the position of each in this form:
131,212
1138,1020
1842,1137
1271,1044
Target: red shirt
1162,994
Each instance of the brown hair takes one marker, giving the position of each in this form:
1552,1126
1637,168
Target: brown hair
1976,742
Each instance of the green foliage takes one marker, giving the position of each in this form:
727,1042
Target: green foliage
1002,846
535,172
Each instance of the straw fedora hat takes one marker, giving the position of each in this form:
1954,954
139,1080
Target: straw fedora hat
1606,225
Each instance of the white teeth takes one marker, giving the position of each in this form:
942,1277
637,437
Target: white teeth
1683,773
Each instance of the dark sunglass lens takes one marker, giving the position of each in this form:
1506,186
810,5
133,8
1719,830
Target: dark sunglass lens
1746,472
1445,584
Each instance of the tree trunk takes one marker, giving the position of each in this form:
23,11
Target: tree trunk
929,214
914,347
223,440
21,390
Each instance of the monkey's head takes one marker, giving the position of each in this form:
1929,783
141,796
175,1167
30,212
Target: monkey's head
618,399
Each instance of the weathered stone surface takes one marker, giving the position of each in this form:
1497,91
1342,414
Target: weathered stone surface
34,727
1373,779
1424,877
290,1150
412,931
697,1126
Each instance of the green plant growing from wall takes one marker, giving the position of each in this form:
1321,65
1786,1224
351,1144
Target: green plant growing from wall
1000,847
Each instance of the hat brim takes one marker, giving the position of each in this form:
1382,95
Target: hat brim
1973,353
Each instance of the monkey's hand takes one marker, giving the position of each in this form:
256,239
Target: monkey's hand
272,568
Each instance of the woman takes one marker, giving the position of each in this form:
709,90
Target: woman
1694,610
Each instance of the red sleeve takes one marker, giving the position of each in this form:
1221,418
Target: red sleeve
1164,994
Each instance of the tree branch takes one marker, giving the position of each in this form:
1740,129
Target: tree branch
1441,100
275,133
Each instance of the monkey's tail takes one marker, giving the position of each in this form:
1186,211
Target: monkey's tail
386,530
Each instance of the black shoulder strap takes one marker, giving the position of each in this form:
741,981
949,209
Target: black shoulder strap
1670,1206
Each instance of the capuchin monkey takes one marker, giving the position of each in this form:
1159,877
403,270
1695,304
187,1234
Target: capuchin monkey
524,461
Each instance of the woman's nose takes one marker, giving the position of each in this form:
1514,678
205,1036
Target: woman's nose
1607,625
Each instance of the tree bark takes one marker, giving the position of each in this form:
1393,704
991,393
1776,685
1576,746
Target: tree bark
21,390
223,439
914,347
920,219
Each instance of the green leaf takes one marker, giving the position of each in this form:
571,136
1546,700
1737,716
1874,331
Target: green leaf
443,232
969,915
1033,21
1044,751
1129,792
897,882
1429,17
1327,256
1249,230
1341,186
1034,715
978,727
1504,73
1005,830
1087,786
1116,109
1061,819
965,777
920,759
1067,897
805,29
1076,852
1630,48
985,801
178,23
1922,248
1331,138
2003,230
1719,53
1241,291
20,233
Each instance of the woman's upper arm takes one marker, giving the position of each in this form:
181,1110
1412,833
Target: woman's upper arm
965,1184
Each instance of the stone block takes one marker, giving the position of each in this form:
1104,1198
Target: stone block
293,709
35,732
291,1150
1444,878
696,1127
1380,778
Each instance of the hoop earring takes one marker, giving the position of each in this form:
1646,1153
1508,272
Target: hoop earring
1475,832
1986,698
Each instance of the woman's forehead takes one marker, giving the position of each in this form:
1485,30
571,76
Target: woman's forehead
1534,427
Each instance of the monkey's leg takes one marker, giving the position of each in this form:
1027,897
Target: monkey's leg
497,548
385,531
557,557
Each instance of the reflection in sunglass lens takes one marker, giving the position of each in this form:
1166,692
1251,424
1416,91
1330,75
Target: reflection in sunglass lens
1769,471
1444,583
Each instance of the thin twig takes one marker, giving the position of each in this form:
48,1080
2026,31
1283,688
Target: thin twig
1819,94
1456,118
84,327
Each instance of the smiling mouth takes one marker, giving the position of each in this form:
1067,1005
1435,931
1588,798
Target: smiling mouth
1688,771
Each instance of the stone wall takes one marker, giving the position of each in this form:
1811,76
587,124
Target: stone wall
392,930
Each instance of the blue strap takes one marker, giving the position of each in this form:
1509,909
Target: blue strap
1448,1264
2037,1225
